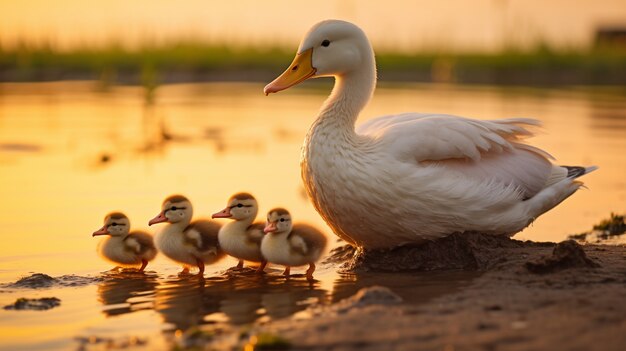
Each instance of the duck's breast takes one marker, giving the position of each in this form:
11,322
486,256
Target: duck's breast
114,250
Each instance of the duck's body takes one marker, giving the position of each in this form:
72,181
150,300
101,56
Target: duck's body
122,247
291,245
241,238
189,243
196,241
433,175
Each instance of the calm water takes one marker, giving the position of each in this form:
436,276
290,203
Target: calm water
70,153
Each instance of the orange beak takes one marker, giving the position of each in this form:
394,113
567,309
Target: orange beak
300,70
158,219
225,213
270,227
101,231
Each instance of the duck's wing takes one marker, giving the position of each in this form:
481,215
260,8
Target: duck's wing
425,137
139,242
305,239
255,233
484,150
202,235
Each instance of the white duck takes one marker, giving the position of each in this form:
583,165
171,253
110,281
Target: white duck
432,174
291,245
241,238
122,246
190,243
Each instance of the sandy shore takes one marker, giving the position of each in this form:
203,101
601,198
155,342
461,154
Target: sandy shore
527,296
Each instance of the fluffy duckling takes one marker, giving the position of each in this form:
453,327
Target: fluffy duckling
291,245
123,247
241,238
190,243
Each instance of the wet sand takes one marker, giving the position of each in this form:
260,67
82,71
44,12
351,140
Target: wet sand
528,296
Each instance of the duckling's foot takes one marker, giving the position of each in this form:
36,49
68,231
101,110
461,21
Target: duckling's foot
309,272
261,269
200,264
240,264
144,263
185,271
286,272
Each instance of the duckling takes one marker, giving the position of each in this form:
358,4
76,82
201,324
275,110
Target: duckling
242,238
291,245
190,243
122,247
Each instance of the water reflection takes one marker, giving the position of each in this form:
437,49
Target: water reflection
126,292
244,298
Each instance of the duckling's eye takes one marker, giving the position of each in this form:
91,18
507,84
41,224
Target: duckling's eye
240,205
174,208
282,219
325,43
114,224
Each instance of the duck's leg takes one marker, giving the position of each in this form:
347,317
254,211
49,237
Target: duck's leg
309,272
286,272
144,263
261,269
200,264
240,264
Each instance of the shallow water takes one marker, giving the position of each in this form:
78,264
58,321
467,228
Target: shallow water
71,152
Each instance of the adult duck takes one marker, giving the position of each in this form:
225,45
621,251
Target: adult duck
412,177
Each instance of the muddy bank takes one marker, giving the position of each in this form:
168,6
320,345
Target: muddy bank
529,296
40,280
40,304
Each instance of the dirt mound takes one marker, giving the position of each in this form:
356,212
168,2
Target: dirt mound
566,254
469,251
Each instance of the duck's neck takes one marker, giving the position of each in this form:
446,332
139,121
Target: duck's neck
178,226
241,225
351,93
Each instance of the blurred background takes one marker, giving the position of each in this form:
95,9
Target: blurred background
113,105
465,41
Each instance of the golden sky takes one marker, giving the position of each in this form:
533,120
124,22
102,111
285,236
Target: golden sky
405,24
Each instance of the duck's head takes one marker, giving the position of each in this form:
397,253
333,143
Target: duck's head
115,224
330,48
278,221
240,207
175,209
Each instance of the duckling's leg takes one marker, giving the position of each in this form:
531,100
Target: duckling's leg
286,272
200,264
144,263
185,270
309,272
261,268
240,264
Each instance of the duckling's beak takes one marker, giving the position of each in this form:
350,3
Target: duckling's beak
158,219
225,213
101,231
300,70
270,227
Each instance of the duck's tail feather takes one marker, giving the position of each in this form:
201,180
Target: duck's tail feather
577,171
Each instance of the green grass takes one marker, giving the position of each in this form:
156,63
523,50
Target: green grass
196,61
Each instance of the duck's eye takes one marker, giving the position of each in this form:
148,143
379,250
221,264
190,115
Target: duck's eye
240,205
325,43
